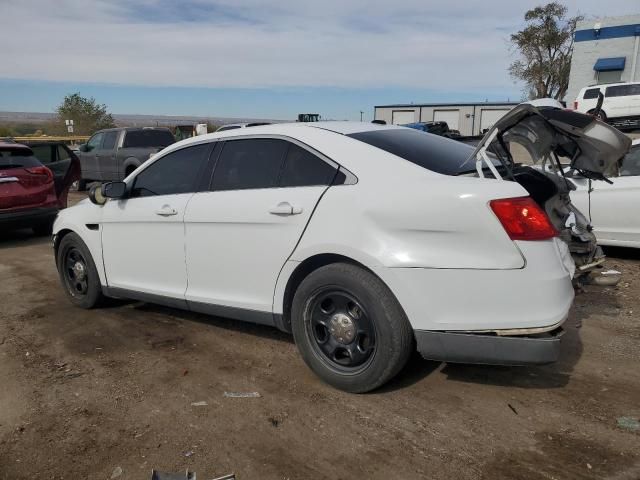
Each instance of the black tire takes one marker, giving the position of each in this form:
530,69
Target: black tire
85,292
601,115
378,339
44,228
82,185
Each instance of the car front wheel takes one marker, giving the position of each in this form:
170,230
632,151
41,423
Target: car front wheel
350,329
78,272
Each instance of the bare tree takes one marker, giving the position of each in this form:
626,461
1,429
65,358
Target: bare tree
545,46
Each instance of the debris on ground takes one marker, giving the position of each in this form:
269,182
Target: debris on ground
242,394
199,404
189,453
629,423
155,475
116,472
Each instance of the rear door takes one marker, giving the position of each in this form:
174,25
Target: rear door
616,103
240,234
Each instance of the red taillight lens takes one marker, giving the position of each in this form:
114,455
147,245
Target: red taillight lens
575,105
523,219
41,170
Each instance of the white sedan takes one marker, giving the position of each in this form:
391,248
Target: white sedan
364,241
613,207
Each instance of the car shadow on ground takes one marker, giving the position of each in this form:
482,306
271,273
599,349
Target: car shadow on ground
623,253
21,238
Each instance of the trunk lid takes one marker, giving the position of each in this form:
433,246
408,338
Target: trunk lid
24,181
591,147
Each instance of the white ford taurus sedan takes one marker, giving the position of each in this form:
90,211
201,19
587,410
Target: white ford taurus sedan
364,241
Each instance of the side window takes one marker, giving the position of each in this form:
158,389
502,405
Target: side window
631,163
95,141
634,89
62,153
618,91
176,172
249,163
302,168
110,139
44,153
591,93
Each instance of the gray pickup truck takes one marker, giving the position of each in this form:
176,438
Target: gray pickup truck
114,153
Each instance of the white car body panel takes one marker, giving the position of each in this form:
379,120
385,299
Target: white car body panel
235,247
614,208
143,249
431,238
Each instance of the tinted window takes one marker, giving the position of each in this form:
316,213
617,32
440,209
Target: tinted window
62,153
432,152
618,91
17,159
44,153
591,93
177,172
109,141
304,168
251,163
95,141
631,163
148,138
634,89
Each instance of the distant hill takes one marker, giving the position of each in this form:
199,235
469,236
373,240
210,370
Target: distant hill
131,120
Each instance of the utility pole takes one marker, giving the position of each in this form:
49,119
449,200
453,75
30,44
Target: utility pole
361,114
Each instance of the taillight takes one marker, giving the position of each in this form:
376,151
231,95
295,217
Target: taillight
41,170
575,105
523,219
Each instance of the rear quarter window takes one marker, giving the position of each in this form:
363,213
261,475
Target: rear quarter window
591,93
435,153
148,138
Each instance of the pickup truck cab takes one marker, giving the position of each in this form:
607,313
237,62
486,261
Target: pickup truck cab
112,154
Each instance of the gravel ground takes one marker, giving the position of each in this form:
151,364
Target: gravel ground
110,393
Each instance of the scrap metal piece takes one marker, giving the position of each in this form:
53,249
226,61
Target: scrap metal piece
187,475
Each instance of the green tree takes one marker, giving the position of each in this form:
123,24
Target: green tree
545,46
87,115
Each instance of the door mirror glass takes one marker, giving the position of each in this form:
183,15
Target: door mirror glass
114,189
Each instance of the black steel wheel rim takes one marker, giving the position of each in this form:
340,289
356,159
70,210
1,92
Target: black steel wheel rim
76,273
341,332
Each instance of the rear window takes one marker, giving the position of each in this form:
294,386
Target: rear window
591,93
148,138
17,159
432,152
619,91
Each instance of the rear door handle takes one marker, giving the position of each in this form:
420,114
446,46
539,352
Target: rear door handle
285,208
166,211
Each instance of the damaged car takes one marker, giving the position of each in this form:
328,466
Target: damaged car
360,239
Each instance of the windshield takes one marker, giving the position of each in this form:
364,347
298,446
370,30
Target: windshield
435,153
14,158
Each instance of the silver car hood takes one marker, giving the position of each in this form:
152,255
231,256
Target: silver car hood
592,147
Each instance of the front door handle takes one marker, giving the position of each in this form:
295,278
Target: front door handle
285,208
166,211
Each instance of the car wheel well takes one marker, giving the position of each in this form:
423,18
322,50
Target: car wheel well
305,268
58,238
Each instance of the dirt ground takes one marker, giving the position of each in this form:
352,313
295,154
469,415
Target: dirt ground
109,393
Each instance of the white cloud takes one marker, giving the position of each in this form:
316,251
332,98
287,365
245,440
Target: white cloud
433,45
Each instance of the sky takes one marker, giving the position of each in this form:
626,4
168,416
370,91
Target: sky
262,58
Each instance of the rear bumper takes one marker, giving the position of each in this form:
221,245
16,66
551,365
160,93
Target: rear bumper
27,217
455,347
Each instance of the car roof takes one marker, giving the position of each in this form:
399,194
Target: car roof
613,84
14,146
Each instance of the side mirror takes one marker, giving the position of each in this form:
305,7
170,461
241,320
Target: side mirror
114,189
83,148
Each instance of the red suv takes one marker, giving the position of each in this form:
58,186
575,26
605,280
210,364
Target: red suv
28,193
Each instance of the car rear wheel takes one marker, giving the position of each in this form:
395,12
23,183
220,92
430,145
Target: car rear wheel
78,272
350,329
82,185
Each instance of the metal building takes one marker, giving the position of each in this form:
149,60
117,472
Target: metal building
605,51
468,118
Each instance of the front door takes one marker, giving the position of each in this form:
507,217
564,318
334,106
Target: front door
240,234
89,159
106,156
143,234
